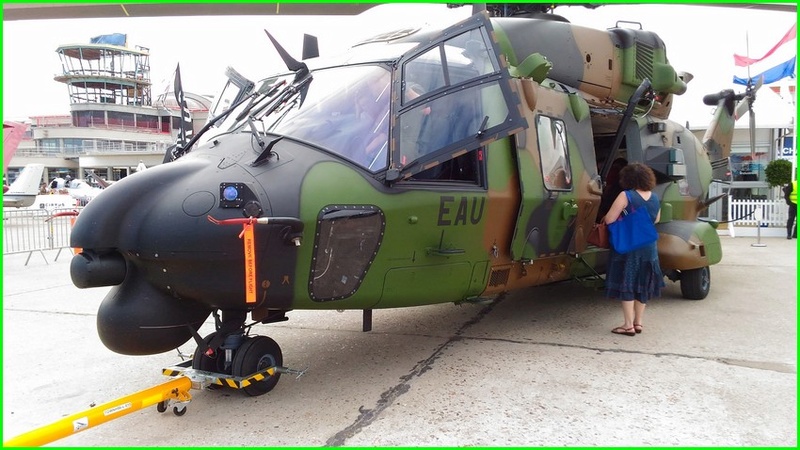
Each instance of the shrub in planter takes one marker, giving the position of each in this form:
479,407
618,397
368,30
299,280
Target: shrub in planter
778,172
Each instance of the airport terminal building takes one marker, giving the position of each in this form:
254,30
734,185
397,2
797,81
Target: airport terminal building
115,121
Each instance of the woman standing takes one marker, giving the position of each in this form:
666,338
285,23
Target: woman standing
634,277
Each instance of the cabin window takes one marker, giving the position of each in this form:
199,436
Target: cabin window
454,98
429,126
554,153
454,61
347,240
448,120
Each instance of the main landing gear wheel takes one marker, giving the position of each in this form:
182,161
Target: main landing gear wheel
258,353
696,283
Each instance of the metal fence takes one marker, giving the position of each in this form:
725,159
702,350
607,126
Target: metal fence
34,231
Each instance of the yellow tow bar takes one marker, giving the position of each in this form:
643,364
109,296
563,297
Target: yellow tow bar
163,395
173,390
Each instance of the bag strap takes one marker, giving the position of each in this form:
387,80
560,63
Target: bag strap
630,203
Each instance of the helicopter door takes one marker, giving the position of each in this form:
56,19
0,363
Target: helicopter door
546,223
455,97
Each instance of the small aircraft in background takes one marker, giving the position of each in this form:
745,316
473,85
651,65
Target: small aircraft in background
103,183
23,191
80,190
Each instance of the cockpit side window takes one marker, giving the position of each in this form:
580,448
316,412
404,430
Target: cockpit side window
454,98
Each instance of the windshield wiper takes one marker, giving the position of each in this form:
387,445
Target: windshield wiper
258,99
283,97
177,152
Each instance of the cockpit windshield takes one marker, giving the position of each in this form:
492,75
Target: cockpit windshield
344,110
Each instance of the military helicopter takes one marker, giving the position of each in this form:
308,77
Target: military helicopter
420,167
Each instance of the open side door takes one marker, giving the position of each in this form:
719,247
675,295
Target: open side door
556,164
453,95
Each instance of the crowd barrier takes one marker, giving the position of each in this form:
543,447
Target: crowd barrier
34,231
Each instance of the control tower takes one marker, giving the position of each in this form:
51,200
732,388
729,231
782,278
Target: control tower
115,123
106,71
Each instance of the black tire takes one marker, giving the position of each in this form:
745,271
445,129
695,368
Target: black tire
179,410
161,406
202,362
258,353
696,283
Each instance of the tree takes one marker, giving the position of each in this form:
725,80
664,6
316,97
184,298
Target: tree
778,172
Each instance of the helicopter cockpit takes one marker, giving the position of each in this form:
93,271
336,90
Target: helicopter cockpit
411,108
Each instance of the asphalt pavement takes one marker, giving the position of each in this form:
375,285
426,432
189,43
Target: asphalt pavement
538,368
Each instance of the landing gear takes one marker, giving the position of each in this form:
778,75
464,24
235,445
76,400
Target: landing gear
695,283
231,358
256,354
203,361
239,357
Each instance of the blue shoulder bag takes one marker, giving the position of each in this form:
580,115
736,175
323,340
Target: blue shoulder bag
632,230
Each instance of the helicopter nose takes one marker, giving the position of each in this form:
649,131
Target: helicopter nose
134,239
126,216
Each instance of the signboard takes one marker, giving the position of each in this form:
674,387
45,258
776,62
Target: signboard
786,151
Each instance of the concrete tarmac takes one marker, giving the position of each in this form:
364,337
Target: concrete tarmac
538,368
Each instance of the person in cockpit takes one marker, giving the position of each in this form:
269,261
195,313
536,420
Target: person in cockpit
372,115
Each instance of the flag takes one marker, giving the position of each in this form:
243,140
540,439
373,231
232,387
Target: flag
777,63
185,129
779,72
110,39
744,61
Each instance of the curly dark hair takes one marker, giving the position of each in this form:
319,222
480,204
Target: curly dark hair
637,176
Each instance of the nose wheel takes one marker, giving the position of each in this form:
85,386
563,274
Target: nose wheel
256,354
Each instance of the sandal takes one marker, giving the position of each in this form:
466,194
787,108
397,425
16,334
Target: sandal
626,331
637,327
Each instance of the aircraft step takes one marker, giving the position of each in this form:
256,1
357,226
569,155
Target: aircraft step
596,282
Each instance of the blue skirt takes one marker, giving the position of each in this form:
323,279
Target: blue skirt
635,275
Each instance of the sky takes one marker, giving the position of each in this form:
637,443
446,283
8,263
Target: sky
699,40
